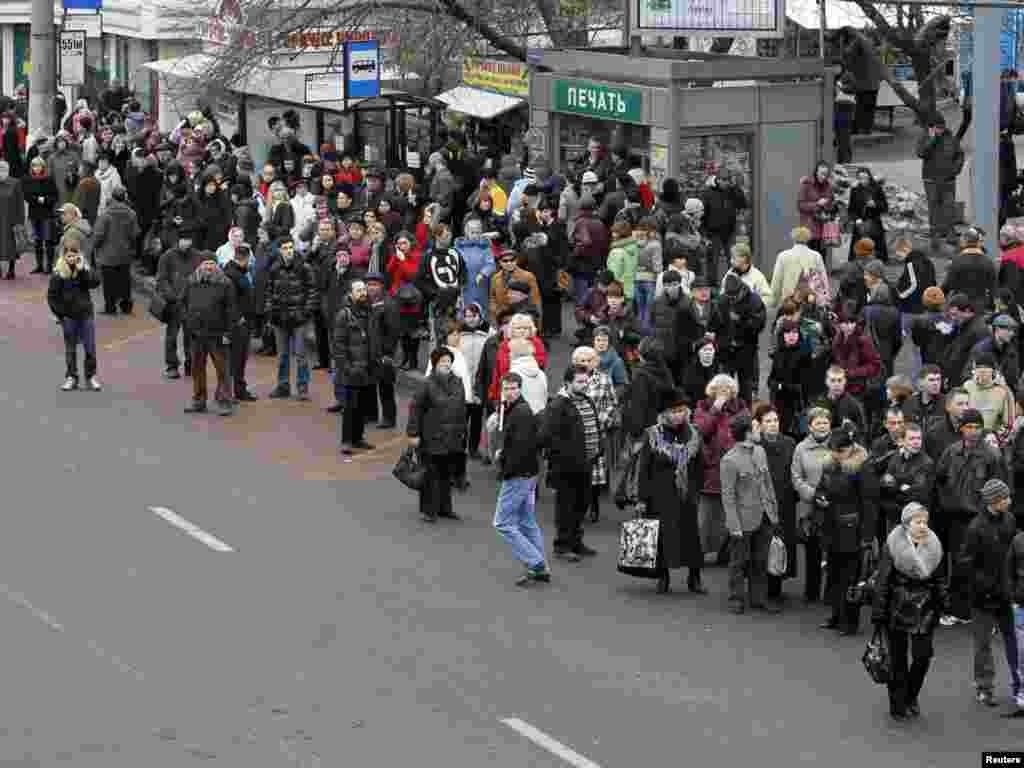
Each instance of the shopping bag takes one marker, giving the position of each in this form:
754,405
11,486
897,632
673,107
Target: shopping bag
876,658
409,470
638,548
778,558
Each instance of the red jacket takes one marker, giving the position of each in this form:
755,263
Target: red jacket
810,193
403,272
1014,255
856,354
504,363
718,439
647,197
353,176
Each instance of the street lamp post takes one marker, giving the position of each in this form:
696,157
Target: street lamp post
43,82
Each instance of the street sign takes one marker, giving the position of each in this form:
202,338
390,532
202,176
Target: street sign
363,69
324,86
604,102
72,57
90,23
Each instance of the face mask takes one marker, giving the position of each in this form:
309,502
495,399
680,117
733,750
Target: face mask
707,356
471,321
820,434
375,293
672,291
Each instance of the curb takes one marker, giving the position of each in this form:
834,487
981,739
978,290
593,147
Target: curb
145,286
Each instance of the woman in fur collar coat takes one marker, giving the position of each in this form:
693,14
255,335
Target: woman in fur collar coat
910,596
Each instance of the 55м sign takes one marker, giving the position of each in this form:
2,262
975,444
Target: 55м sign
72,57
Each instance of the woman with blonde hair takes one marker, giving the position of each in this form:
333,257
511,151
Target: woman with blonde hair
40,192
720,405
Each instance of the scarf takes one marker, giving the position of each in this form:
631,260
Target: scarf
660,437
916,561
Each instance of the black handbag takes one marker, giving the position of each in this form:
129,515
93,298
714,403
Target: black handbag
409,470
876,658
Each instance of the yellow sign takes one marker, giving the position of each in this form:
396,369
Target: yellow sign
511,78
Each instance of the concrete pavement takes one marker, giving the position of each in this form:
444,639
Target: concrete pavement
342,632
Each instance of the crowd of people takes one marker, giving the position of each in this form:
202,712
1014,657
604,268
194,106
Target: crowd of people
898,489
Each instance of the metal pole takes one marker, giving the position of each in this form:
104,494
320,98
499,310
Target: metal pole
988,23
43,82
822,25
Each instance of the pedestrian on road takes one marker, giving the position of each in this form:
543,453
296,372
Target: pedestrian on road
942,159
779,449
867,204
984,553
571,435
973,273
817,204
210,317
847,496
70,301
960,477
908,475
117,230
173,271
40,192
751,515
352,347
910,595
602,394
238,270
809,461
669,476
12,216
385,330
291,301
437,427
517,458
797,264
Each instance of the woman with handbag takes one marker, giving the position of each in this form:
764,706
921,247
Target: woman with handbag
403,266
867,204
817,209
910,596
669,476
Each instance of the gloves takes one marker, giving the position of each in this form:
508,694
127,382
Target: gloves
641,508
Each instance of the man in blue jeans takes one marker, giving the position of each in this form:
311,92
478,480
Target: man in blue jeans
292,298
515,517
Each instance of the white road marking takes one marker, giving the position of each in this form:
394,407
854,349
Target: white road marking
191,529
542,740
19,599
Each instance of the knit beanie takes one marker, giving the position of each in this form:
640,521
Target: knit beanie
913,508
994,490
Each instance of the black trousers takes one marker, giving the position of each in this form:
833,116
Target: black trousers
174,327
436,496
384,391
323,340
117,287
551,314
812,568
960,575
411,350
905,681
743,363
353,418
844,570
240,339
475,415
864,113
572,500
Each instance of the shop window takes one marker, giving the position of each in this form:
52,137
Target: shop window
723,155
574,134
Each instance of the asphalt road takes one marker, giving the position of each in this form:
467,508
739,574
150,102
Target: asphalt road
340,631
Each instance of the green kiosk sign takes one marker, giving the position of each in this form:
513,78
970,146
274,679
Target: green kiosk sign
604,102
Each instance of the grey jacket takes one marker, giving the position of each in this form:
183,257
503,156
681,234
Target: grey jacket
748,495
117,229
442,192
942,157
808,465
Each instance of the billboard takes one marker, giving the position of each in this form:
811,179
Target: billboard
750,18
511,78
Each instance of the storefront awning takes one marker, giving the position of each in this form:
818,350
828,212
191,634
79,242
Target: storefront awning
483,105
279,84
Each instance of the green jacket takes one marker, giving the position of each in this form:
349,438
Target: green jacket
623,259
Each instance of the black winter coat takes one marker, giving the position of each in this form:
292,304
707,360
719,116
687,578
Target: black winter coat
872,227
674,326
215,217
437,415
520,442
563,435
209,305
335,288
882,320
957,352
385,330
984,552
973,273
779,453
646,395
36,187
351,346
243,288
743,317
247,216
910,292
173,272
905,603
961,473
918,472
69,296
292,297
851,489
143,187
721,209
678,529
696,378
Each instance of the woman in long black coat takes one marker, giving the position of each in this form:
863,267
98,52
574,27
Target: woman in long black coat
867,204
670,474
651,386
779,449
791,371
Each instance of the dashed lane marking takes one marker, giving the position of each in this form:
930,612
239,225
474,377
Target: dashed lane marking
555,747
191,529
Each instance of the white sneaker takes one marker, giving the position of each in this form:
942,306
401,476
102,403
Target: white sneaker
94,384
69,384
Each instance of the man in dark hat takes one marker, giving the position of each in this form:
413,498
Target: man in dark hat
352,348
972,272
172,274
960,475
942,159
674,323
385,330
509,274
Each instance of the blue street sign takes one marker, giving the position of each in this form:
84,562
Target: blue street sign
83,5
362,70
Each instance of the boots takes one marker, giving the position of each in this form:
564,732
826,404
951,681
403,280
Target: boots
40,260
10,270
51,257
